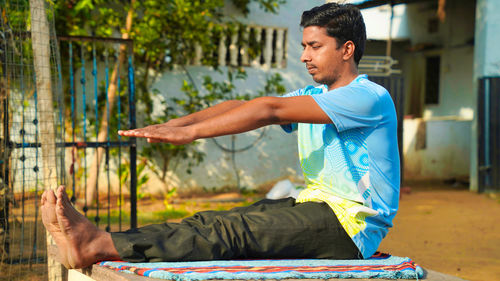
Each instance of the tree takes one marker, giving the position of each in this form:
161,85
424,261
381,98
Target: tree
164,33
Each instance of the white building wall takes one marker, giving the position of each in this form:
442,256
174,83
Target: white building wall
436,149
272,158
377,21
447,132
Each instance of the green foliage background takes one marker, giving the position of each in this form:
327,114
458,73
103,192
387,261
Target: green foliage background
164,34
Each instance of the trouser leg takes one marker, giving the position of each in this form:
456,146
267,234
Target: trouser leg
267,229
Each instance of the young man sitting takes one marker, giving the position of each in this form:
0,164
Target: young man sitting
347,148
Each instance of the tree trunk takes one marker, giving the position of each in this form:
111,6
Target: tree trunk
112,92
41,58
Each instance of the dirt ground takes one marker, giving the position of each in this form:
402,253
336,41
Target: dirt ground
441,227
445,228
449,230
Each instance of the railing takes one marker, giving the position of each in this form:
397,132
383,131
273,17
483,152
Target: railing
94,57
256,46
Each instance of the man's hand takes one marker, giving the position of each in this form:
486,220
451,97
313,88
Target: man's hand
162,133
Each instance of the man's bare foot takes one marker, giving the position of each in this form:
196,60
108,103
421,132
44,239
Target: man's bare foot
85,243
49,219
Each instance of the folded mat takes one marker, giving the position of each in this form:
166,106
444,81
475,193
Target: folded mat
378,266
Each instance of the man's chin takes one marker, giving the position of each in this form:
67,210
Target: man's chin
319,81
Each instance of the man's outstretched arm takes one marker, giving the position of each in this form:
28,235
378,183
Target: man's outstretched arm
205,113
245,117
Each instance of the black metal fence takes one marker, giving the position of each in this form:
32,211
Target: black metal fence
83,70
91,68
488,116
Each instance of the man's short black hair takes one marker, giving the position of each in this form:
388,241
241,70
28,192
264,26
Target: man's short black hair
344,22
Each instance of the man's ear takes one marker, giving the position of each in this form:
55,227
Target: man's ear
349,49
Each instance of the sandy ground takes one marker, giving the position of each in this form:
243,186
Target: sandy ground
441,227
452,231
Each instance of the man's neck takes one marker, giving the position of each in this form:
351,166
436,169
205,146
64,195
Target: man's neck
345,78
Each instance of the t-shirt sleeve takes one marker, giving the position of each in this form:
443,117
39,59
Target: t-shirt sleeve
350,107
290,127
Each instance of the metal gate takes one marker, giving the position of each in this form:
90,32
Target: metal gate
488,116
81,69
86,80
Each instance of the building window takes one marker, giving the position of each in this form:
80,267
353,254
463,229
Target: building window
432,70
433,25
255,46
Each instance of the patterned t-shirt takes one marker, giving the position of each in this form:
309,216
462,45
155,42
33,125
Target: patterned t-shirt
352,164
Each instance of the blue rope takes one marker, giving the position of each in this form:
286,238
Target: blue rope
96,100
131,79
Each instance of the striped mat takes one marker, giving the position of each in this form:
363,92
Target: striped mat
382,266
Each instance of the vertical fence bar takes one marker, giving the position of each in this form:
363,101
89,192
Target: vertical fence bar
119,113
133,147
61,151
84,103
495,133
23,156
106,62
120,199
36,169
96,115
487,162
73,119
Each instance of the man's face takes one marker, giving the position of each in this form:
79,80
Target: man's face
321,54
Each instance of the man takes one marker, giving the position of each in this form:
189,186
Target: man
348,152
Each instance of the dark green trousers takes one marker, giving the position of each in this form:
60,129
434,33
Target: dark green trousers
267,229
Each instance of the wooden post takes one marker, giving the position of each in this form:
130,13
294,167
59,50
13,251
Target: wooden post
40,35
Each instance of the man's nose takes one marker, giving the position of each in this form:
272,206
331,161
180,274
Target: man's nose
305,56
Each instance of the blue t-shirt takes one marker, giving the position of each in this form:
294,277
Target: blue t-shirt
353,163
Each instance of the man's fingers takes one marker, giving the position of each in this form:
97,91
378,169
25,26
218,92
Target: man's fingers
139,132
128,133
132,133
150,140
